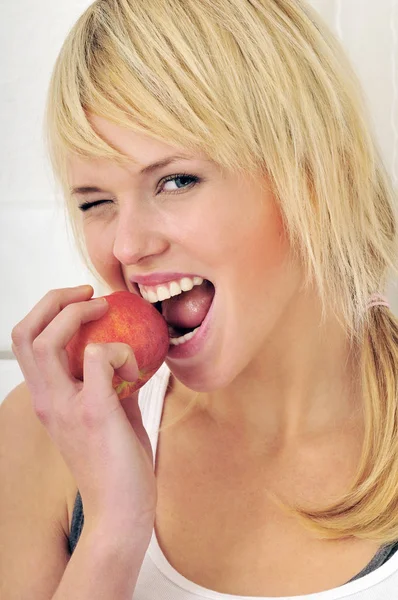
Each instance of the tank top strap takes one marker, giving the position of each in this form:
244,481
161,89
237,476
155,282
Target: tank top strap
150,400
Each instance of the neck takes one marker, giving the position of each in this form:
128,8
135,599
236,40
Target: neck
304,382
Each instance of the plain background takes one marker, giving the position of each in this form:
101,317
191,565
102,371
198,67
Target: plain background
36,246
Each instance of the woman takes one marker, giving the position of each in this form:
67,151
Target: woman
261,459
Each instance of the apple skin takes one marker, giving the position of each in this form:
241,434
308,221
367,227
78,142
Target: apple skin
134,321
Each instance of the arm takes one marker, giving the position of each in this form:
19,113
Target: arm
34,522
104,566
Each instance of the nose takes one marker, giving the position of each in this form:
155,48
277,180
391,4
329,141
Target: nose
138,236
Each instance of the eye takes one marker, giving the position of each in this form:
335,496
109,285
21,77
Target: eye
180,177
86,205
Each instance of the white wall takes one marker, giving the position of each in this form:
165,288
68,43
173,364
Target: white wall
37,254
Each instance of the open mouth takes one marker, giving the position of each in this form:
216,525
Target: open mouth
186,310
174,330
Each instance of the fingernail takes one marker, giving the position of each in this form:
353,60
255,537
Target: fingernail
99,301
85,286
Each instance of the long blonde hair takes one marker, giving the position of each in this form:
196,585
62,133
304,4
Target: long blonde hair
263,87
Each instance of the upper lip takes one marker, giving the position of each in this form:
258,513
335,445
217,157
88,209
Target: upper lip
159,278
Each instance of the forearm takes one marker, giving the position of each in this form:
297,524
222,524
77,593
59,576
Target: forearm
103,566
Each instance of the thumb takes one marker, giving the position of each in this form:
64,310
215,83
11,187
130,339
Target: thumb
125,364
101,361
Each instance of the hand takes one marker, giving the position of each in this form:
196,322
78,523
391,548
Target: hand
103,442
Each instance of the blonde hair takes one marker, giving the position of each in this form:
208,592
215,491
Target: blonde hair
260,86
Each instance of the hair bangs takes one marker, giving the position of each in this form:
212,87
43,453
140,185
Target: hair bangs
145,74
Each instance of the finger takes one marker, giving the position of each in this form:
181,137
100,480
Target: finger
44,312
38,318
48,348
101,361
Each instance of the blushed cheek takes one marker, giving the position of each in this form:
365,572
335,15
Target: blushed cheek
268,246
278,246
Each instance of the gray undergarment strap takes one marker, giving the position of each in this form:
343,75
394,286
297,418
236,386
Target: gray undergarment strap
381,556
77,523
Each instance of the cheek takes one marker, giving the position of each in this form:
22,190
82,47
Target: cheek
263,258
99,246
273,241
256,242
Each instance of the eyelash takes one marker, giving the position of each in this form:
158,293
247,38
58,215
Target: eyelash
87,205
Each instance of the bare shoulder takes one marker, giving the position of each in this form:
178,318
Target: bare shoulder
35,498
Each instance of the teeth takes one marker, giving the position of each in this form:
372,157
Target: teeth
183,338
162,293
186,284
174,288
151,296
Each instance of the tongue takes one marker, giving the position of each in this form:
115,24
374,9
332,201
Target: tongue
188,310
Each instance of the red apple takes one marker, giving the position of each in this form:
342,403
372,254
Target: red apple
134,321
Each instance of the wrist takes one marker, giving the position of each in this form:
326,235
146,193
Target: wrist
115,532
104,565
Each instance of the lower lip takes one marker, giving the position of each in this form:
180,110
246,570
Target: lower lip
195,344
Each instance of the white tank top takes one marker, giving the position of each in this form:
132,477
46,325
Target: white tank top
158,580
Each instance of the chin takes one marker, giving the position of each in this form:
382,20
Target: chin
202,378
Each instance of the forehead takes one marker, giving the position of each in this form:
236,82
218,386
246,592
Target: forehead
140,149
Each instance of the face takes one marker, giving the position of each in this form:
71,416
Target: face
215,224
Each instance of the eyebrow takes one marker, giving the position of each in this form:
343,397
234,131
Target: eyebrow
146,170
